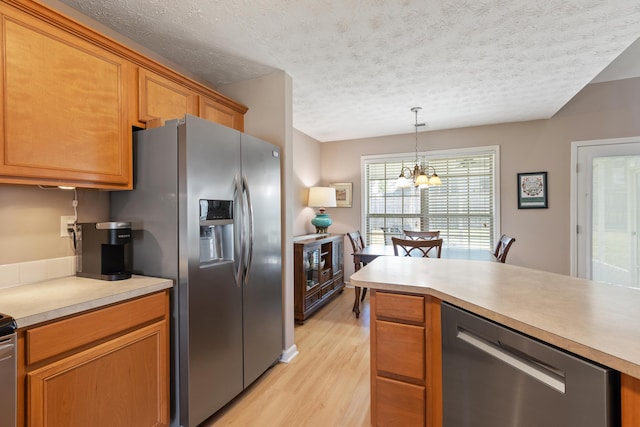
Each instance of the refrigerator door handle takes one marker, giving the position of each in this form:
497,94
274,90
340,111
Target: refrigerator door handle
238,235
248,219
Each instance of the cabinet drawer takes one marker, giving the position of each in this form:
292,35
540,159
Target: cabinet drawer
311,299
325,275
399,404
400,350
328,288
401,307
49,340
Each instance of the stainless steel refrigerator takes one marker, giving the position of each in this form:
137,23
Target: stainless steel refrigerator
205,211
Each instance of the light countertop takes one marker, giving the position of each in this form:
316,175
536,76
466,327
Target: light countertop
597,321
40,302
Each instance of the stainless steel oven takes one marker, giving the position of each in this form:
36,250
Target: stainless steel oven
8,369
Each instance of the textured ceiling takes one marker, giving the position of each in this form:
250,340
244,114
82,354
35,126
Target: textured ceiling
359,66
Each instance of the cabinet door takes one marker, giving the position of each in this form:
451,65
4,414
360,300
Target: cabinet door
122,382
213,110
161,98
65,111
399,403
311,267
338,257
400,350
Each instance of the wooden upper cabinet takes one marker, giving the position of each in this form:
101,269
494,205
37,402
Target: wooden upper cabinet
213,110
161,98
69,97
64,119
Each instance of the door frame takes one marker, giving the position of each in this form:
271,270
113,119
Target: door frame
573,223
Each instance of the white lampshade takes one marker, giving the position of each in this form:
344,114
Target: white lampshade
403,182
322,197
435,180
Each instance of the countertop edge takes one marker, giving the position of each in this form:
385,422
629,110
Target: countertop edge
84,295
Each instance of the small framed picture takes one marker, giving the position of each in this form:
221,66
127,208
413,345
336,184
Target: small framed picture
532,190
343,194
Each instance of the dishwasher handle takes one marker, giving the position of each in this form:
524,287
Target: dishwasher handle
520,361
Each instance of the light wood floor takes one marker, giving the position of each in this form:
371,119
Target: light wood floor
325,385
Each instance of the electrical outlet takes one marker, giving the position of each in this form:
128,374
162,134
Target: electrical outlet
65,223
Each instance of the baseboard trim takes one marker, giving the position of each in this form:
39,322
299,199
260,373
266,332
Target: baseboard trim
288,354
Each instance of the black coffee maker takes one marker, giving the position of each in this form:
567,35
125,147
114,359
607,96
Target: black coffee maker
104,250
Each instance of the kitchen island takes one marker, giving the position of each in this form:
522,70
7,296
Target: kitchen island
596,321
91,352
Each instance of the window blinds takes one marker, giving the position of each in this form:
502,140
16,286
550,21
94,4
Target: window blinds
462,208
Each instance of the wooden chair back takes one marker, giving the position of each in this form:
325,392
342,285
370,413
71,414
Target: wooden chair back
357,243
502,247
408,247
421,235
390,232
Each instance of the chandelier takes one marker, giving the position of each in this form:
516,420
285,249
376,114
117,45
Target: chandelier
418,177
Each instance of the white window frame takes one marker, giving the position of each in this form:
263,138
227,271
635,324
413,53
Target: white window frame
425,156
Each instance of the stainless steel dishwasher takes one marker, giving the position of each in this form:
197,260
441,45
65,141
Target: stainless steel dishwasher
8,376
495,377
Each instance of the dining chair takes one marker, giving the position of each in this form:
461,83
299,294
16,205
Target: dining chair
502,247
390,232
421,235
408,247
357,244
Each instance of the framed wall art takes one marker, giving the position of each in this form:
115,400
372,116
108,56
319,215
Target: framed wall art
532,190
343,194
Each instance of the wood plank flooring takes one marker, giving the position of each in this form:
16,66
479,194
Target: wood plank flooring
325,385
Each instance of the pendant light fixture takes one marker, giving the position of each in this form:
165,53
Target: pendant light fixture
418,177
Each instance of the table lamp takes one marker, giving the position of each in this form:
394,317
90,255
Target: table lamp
322,197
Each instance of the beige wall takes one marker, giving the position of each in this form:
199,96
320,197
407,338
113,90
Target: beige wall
602,110
30,220
306,173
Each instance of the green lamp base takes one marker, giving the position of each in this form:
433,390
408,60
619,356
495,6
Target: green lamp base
321,222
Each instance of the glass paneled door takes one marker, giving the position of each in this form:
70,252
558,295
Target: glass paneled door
608,211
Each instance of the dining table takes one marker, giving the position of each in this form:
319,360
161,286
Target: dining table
371,252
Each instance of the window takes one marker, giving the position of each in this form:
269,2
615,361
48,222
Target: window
464,208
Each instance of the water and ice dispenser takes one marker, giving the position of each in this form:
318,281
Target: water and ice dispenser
216,231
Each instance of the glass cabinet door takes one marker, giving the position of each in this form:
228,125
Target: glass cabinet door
311,267
338,257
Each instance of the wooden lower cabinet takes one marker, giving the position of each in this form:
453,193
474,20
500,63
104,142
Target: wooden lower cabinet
406,360
630,400
408,407
113,370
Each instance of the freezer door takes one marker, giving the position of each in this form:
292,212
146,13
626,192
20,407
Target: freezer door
211,303
262,293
